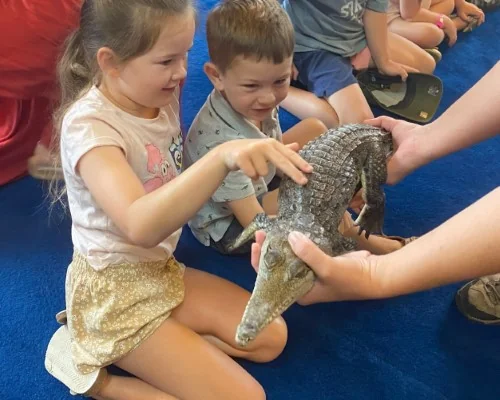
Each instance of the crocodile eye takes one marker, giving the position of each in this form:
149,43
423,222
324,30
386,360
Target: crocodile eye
297,269
272,257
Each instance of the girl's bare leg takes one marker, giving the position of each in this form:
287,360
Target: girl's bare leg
423,34
405,52
188,357
128,388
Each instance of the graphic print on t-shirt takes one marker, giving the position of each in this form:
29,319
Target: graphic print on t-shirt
159,168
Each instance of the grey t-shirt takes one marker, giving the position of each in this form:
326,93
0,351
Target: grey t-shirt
331,25
217,123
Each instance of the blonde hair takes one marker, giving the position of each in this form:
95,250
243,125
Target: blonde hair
128,28
249,28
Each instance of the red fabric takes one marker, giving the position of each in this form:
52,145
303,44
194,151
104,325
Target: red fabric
32,34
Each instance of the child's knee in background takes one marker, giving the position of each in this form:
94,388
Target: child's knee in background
432,36
315,125
425,63
357,113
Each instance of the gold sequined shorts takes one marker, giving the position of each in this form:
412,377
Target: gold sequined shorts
110,312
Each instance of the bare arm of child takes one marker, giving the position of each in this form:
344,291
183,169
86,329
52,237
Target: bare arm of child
409,8
425,15
376,35
148,218
246,209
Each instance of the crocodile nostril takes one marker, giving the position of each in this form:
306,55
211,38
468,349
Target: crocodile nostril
249,327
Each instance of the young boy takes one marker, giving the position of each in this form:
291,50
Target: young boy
250,44
334,38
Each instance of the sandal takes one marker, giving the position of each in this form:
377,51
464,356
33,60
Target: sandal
402,240
59,363
435,53
61,317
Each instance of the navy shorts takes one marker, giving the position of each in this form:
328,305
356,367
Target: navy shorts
323,73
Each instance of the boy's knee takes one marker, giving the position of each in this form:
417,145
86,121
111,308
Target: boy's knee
356,115
315,125
276,336
323,112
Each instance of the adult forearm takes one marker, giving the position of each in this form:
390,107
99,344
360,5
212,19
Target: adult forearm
376,36
464,247
471,119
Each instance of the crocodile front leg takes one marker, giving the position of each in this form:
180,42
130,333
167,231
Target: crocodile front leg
373,176
260,222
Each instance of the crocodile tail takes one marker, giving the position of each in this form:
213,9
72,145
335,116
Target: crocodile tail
260,222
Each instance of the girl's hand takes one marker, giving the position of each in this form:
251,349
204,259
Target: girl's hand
252,157
466,10
450,31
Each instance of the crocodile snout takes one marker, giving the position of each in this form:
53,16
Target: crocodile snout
246,332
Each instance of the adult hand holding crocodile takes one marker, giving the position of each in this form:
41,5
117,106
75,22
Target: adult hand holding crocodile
456,129
452,252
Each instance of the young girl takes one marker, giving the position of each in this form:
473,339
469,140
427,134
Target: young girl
128,301
428,24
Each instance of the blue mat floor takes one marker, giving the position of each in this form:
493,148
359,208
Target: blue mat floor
411,347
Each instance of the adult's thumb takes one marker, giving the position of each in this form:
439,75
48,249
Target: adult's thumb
308,252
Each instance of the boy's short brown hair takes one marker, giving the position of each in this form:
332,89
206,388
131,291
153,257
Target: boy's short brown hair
249,28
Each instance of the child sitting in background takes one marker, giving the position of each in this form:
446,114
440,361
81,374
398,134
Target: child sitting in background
250,44
432,22
334,38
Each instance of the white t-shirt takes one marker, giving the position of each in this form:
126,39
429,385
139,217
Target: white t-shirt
152,147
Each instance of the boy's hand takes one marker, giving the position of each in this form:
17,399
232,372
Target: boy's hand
466,10
252,156
295,73
392,68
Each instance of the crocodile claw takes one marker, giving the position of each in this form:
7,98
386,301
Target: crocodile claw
370,220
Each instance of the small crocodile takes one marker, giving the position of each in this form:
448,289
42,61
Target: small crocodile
343,159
